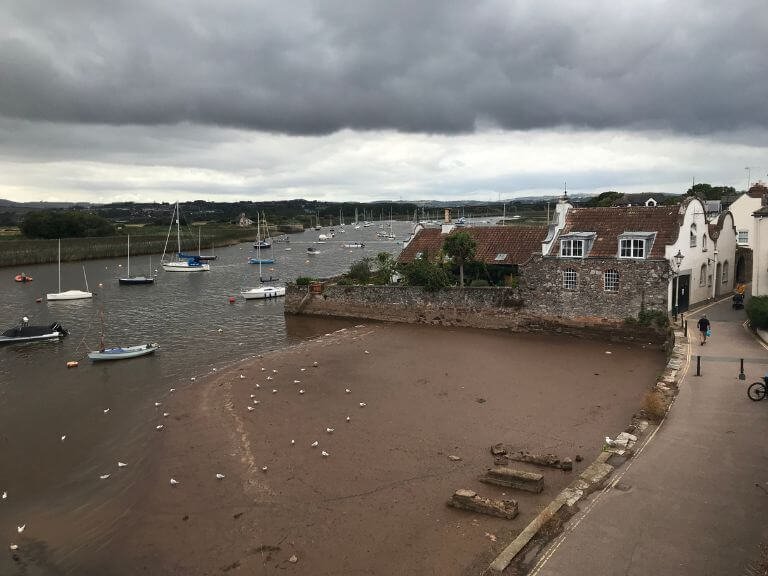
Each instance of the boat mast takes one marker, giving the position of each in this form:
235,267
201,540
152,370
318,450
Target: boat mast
178,233
129,255
59,265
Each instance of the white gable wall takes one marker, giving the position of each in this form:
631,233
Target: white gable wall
760,257
742,209
694,257
726,253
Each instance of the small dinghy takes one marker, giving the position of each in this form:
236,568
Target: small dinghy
312,251
22,278
121,353
25,333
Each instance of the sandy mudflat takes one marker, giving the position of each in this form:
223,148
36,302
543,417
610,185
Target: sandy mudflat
376,504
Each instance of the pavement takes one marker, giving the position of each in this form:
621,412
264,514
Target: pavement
695,499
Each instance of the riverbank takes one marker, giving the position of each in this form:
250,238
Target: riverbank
376,503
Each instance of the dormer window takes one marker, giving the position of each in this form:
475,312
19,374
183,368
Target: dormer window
635,245
576,244
572,248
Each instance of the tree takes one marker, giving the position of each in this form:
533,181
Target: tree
60,224
461,248
708,192
604,199
424,272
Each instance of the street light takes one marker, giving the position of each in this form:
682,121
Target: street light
678,261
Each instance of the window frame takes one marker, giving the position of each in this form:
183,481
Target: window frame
614,282
571,243
694,240
703,276
634,245
725,272
570,276
738,235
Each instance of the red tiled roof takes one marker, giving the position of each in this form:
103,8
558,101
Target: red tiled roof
517,242
610,223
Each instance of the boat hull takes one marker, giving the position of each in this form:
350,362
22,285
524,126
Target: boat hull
135,280
69,295
32,334
121,353
261,260
266,292
185,267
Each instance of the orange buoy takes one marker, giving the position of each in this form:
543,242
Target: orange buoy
72,364
231,299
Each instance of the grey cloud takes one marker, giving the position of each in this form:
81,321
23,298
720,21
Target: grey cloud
305,67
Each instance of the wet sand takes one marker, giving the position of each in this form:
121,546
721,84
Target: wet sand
377,503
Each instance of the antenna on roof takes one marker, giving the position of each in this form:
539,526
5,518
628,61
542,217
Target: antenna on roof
565,189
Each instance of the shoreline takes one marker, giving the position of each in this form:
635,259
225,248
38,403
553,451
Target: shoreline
381,492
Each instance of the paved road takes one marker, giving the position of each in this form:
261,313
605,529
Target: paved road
695,501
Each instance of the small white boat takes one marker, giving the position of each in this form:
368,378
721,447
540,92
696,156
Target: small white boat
122,353
191,263
354,245
69,294
312,251
322,237
263,292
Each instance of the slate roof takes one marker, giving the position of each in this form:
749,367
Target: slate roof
638,199
519,243
610,223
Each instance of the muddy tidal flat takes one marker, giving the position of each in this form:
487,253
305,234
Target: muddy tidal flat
343,467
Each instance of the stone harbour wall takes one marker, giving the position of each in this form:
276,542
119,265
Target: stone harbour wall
516,309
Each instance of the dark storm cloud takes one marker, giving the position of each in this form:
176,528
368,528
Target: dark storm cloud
304,67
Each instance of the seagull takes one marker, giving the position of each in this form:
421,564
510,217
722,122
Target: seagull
347,390
264,468
301,391
242,377
329,430
158,403
609,441
366,352
63,437
253,395
363,404
303,369
159,427
20,529
193,378
315,364
258,385
257,401
314,444
5,495
121,464
293,442
220,476
14,546
325,454
274,371
174,482
274,391
269,377
166,414
250,408
219,330
106,410
349,419
104,476
214,369
172,390
297,381
263,369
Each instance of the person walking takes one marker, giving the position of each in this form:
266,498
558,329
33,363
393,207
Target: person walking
704,329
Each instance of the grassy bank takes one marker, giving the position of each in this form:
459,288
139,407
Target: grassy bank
20,251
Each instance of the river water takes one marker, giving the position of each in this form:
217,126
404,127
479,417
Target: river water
106,411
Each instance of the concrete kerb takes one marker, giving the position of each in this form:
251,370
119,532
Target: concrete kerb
597,474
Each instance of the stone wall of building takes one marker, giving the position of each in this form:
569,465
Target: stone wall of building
642,285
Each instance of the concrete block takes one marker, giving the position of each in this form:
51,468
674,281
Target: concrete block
470,500
596,474
625,440
511,478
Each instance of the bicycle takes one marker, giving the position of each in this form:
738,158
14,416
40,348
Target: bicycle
758,390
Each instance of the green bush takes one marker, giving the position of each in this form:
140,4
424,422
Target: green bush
424,273
360,271
304,281
646,318
60,224
757,311
479,283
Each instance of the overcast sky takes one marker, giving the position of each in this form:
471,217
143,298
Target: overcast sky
360,100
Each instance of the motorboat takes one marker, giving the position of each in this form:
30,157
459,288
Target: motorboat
25,333
354,245
122,353
313,251
263,292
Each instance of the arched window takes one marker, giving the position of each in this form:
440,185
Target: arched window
703,242
703,276
693,235
569,279
725,272
611,280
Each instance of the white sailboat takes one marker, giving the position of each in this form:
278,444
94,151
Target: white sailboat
262,292
189,263
69,294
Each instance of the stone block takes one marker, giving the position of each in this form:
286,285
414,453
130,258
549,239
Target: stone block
511,478
469,500
625,440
